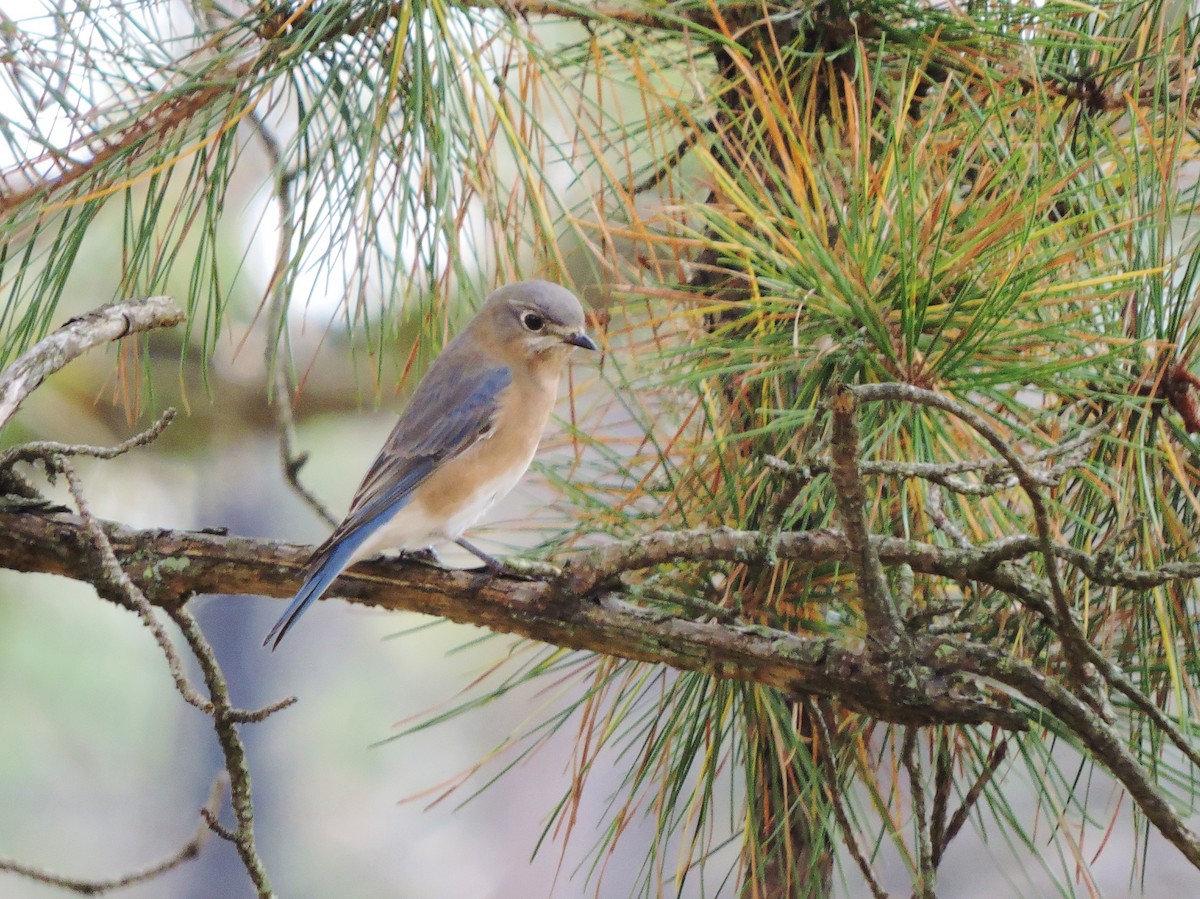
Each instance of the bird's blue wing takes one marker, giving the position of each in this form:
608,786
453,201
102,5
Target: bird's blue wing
454,406
450,411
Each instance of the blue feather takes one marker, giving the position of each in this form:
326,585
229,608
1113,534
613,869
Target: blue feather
323,575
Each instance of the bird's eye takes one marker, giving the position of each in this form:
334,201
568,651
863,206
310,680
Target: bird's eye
532,321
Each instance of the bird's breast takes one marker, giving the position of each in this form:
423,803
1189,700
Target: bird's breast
463,489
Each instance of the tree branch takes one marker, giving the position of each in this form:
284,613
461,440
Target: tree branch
1068,629
44,449
879,606
1097,735
170,566
111,322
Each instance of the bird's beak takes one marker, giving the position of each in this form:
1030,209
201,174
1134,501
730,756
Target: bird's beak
580,340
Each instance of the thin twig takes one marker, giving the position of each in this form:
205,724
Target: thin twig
926,885
215,826
188,851
108,323
276,352
996,473
45,449
253,716
128,591
950,829
225,719
821,715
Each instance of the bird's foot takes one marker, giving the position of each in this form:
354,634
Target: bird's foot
426,556
522,569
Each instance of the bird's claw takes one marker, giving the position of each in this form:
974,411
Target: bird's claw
427,556
517,569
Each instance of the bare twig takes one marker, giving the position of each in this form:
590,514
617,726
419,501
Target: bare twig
996,473
277,359
126,590
879,606
947,831
225,719
188,851
926,884
821,715
45,449
800,473
215,826
105,324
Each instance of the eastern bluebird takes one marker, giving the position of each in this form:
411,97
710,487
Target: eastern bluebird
465,439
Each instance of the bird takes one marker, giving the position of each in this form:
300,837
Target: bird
465,439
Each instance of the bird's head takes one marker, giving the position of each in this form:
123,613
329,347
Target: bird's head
535,320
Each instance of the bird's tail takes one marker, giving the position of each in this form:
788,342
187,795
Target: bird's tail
333,558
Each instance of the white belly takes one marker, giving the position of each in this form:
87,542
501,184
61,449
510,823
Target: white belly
416,527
